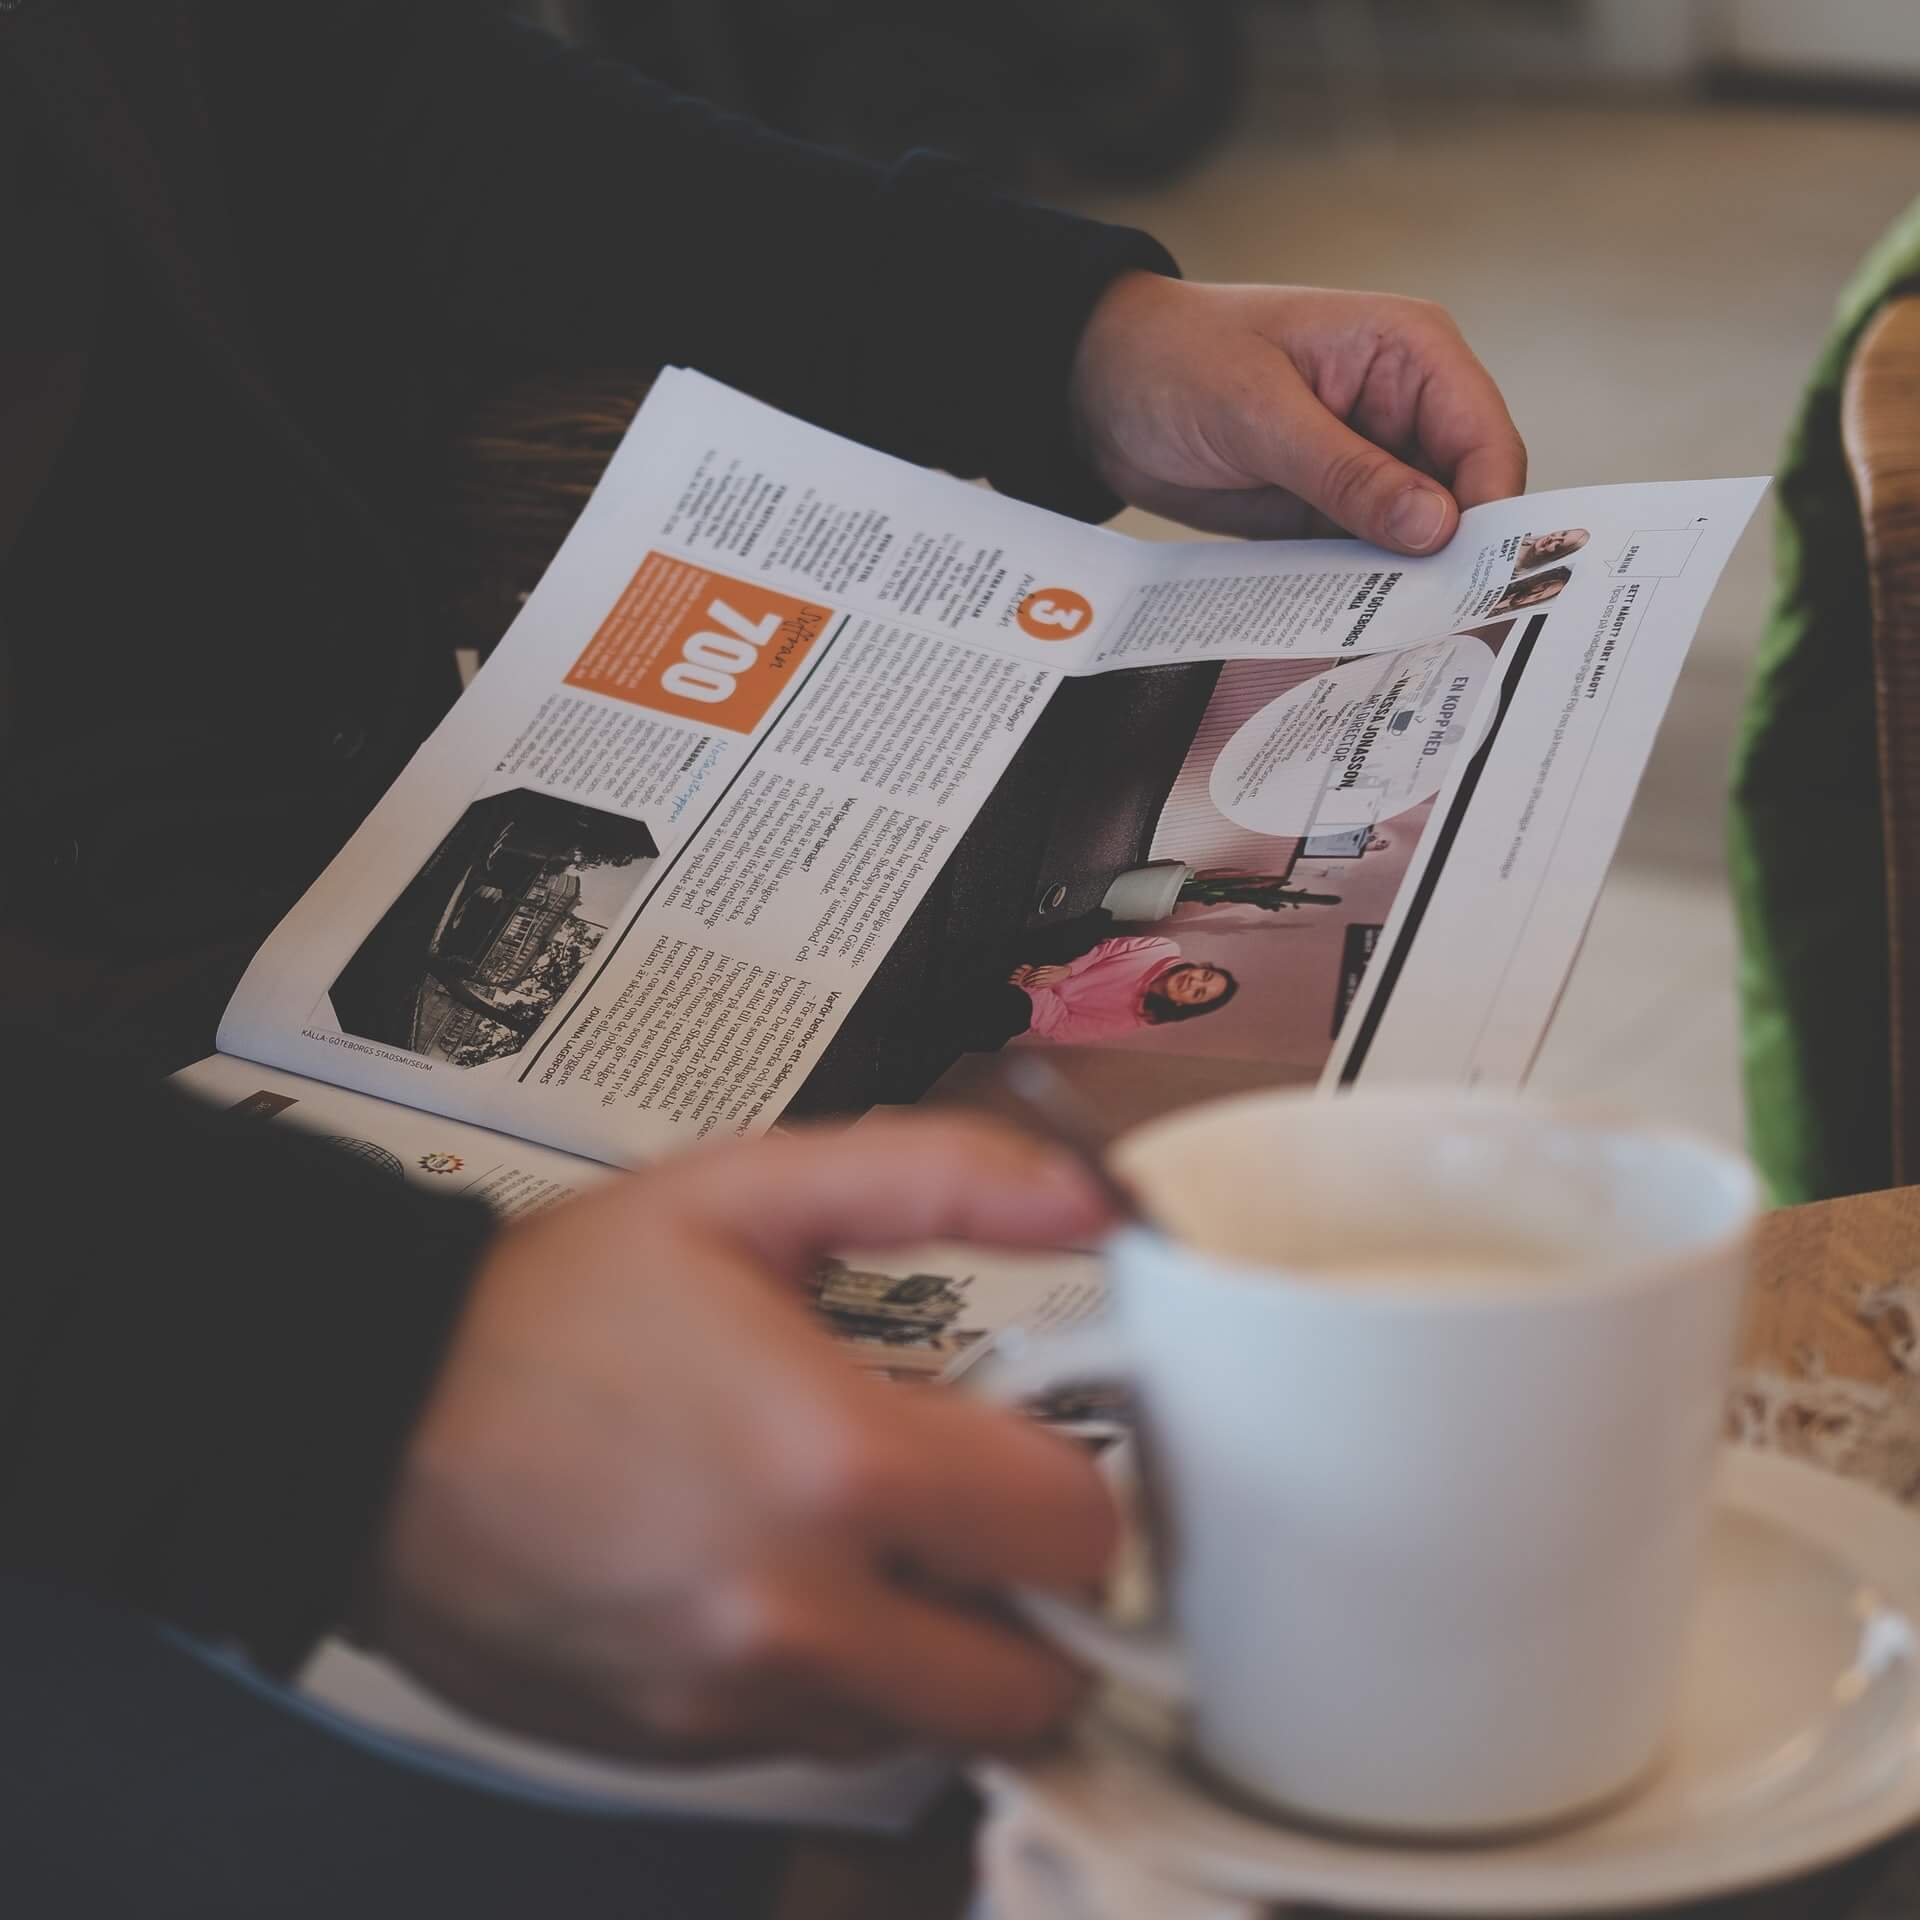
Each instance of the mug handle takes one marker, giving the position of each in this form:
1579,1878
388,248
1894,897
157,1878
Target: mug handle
1023,1366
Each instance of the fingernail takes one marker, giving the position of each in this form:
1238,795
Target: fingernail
1418,516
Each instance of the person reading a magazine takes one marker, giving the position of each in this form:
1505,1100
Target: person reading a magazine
594,1475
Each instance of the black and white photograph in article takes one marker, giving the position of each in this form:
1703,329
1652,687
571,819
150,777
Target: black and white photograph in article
471,959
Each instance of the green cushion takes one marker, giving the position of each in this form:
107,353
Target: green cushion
1808,871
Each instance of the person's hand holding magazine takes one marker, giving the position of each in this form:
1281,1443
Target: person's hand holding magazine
1274,411
649,1508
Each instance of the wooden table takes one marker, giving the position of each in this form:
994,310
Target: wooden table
1830,1373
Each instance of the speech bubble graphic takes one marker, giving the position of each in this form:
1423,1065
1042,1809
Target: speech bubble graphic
1358,743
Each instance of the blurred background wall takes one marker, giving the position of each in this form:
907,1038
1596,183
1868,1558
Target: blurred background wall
1640,212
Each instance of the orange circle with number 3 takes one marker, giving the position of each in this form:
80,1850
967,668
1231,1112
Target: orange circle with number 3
1055,613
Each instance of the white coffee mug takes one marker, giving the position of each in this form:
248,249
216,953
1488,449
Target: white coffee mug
1429,1526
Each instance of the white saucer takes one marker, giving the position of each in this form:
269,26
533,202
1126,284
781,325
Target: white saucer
1797,1742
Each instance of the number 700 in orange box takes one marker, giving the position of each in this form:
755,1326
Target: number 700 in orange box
705,646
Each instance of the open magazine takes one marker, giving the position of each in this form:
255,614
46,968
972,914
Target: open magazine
811,781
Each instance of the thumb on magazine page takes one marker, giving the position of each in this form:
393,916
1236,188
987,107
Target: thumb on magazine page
1277,411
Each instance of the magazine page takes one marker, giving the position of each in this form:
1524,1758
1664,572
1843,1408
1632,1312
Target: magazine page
1383,866
928,1314
806,776
515,1178
918,1315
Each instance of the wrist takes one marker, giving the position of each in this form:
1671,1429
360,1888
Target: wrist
1125,318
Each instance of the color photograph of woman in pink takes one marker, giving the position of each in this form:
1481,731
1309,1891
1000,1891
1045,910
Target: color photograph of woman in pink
1119,987
1115,988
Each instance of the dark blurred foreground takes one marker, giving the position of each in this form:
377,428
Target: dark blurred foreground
1120,91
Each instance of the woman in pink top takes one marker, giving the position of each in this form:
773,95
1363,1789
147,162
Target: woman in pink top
1118,987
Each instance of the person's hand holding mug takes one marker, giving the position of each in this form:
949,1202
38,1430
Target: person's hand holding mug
650,1509
1271,411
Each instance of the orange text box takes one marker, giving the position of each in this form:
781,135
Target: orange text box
703,646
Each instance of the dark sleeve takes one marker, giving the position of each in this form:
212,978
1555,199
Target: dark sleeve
545,208
214,1336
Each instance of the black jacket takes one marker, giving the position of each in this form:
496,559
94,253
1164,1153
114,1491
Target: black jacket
259,257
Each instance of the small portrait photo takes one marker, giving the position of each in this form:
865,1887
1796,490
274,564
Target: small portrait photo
1534,591
1544,549
492,931
1085,984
